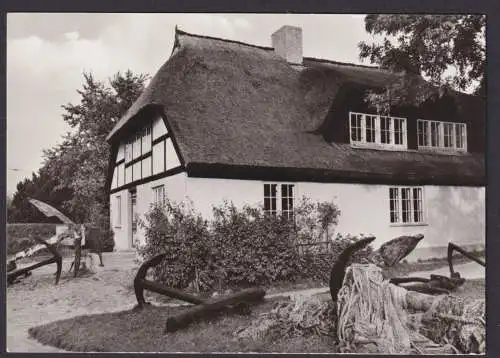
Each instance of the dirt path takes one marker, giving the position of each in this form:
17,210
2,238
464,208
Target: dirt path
469,270
36,300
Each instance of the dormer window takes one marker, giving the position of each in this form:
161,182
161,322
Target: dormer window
375,131
442,135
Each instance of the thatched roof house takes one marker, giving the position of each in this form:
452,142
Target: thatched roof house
233,110
242,110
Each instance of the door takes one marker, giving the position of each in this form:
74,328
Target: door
132,217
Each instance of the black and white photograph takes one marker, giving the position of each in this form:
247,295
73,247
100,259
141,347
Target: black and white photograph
246,183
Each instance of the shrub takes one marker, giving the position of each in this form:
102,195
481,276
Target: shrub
108,240
317,266
177,230
251,248
240,247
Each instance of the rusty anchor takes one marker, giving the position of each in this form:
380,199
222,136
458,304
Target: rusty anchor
57,258
203,308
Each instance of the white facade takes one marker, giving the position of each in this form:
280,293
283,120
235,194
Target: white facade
175,190
143,172
450,213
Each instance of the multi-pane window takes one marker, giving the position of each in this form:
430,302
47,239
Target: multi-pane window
133,211
443,135
406,205
377,131
460,136
270,199
370,128
448,135
159,195
435,134
287,200
279,198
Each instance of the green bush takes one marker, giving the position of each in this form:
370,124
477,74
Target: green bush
240,247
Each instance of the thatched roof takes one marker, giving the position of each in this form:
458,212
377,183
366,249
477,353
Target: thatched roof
232,105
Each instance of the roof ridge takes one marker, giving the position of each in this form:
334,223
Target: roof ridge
269,48
181,32
343,63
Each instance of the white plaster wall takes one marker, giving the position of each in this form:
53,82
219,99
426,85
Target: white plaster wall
121,152
205,193
171,158
159,128
120,231
453,213
175,189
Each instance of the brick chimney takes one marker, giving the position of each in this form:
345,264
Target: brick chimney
287,43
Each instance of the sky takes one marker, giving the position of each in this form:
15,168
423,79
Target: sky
47,53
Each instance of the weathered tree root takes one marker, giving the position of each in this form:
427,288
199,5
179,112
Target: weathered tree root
11,276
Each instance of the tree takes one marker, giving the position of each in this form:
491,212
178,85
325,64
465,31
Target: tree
41,186
448,51
81,160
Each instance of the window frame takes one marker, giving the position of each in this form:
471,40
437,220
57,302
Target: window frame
399,205
279,197
425,135
162,200
358,127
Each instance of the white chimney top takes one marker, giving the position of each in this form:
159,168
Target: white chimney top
287,43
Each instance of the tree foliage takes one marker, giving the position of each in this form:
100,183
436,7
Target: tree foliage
449,51
73,174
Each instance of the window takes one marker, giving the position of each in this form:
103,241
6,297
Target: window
377,131
159,195
270,198
441,135
133,211
118,212
287,200
406,205
279,201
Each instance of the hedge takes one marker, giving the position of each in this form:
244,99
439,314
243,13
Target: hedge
240,247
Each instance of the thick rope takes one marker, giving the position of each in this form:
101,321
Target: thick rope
372,315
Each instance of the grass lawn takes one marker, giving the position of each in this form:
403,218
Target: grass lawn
142,331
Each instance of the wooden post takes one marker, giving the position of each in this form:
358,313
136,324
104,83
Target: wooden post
211,306
78,255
